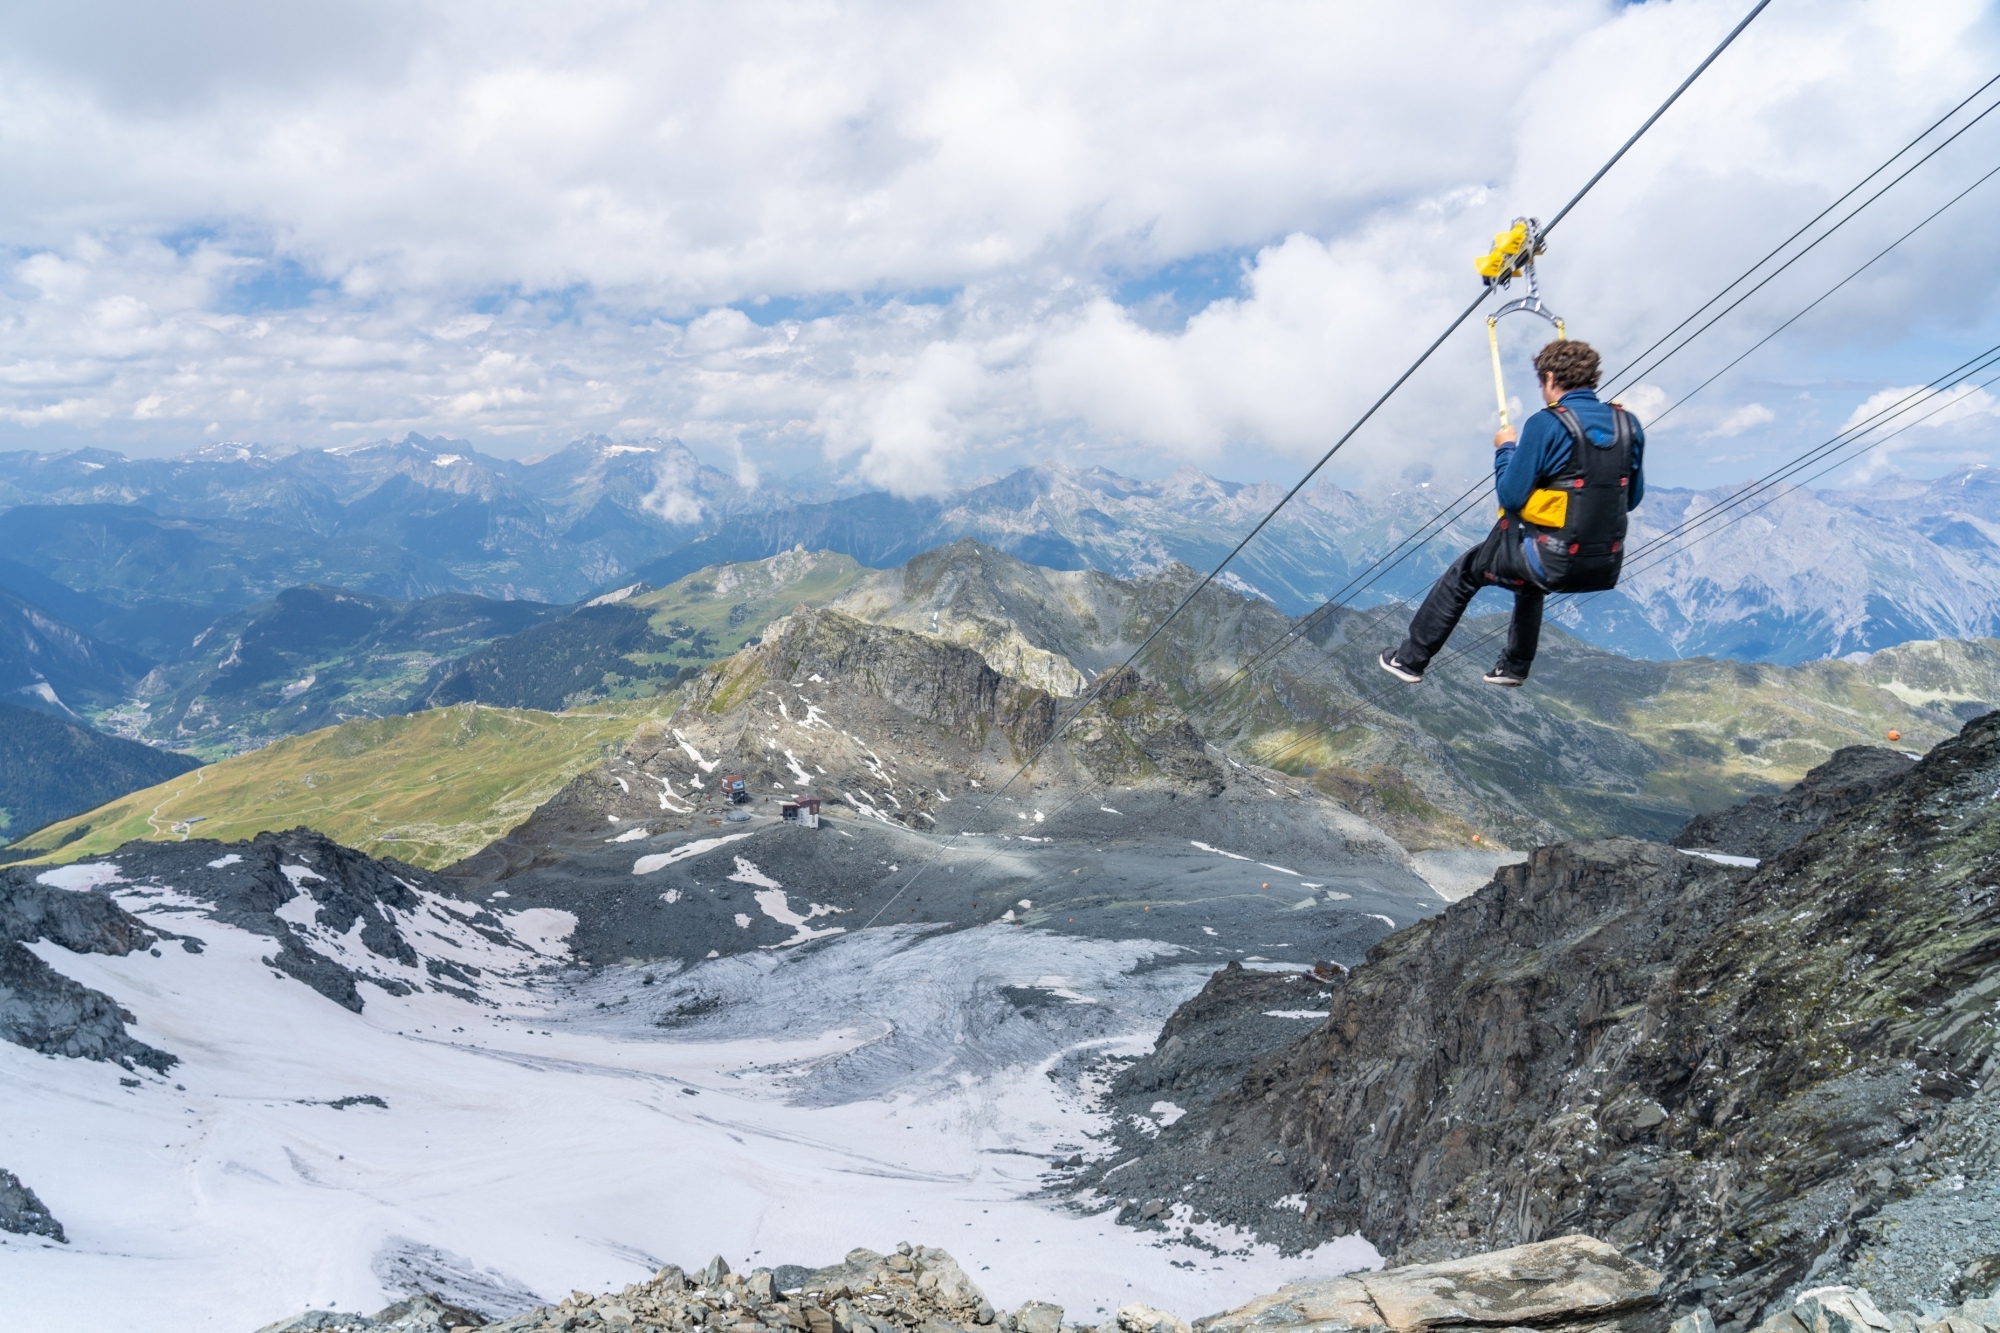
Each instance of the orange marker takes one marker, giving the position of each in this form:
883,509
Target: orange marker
1895,735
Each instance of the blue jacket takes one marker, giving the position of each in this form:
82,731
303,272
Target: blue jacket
1543,450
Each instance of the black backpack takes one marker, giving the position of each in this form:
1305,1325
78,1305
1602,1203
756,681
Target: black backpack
1576,519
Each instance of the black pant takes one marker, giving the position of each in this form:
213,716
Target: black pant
1455,589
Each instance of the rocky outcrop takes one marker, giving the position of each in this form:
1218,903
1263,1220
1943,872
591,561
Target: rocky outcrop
884,723
913,1287
1766,825
336,918
46,1011
1725,1072
1571,1284
24,1214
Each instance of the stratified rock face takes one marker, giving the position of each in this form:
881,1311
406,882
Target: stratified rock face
44,1010
1766,825
24,1214
1722,1071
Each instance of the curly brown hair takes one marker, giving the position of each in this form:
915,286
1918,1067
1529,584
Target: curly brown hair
1574,364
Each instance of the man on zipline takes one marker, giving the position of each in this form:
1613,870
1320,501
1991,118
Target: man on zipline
1564,491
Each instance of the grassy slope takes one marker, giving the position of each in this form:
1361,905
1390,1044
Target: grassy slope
713,612
427,788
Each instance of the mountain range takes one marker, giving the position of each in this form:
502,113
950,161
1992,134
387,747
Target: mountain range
1595,745
146,553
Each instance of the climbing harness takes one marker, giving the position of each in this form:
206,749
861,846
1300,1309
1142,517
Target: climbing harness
1513,255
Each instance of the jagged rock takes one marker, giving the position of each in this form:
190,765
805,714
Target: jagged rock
1571,1283
422,1313
39,1007
1766,825
1136,1318
24,1214
1721,1071
1838,1310
1039,1317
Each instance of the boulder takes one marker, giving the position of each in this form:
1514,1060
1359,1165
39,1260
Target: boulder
1574,1282
22,1213
1039,1317
1136,1318
1838,1310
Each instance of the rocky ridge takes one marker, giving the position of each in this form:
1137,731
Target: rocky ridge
1738,1074
1572,1284
882,723
44,1010
22,1213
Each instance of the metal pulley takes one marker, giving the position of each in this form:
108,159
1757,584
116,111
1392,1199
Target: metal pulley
1513,255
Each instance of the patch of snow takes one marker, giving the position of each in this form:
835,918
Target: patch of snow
671,896
748,873
81,878
776,906
706,765
1168,1112
1060,988
608,598
1383,919
1109,811
1219,852
221,861
1208,930
1281,870
791,760
630,835
646,865
1723,858
1296,1013
743,920
298,875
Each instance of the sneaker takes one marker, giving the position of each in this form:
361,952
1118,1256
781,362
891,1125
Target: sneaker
1398,670
1500,675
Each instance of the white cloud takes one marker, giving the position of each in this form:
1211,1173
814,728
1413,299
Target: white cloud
1747,417
519,223
1925,409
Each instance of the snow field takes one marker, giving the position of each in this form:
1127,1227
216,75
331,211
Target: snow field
851,1094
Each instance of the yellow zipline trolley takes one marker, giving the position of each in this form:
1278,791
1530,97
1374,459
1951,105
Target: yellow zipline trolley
1513,255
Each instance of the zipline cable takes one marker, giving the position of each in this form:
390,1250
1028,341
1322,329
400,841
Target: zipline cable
1662,416
1090,695
1306,624
1808,249
1777,249
1851,436
1303,627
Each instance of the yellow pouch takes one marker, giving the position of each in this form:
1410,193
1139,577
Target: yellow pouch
1546,509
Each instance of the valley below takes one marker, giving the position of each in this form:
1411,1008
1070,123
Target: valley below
1164,986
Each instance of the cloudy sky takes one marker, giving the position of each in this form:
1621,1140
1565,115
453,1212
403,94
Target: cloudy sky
909,244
